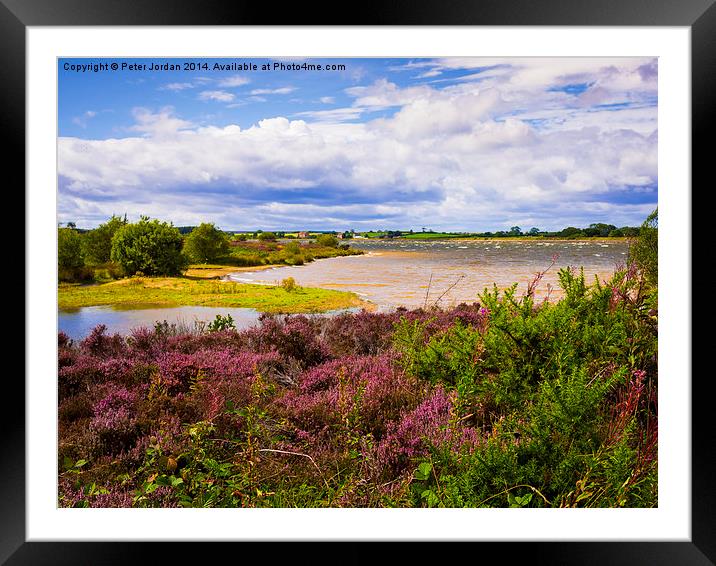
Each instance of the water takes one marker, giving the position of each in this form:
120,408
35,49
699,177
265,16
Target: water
77,323
390,274
446,272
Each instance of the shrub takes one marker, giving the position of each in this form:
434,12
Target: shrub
221,323
152,247
288,284
645,251
205,243
97,244
327,240
497,404
69,249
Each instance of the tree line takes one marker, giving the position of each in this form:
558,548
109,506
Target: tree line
147,247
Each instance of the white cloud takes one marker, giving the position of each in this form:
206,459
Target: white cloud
333,115
217,95
234,81
513,145
82,120
282,90
178,86
159,124
327,99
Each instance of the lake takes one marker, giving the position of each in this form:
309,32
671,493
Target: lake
390,274
446,272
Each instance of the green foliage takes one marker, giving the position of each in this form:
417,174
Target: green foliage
267,237
547,386
150,247
221,323
288,284
69,249
645,251
599,229
97,243
205,243
327,240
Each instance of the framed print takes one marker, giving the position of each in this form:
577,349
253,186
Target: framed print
283,309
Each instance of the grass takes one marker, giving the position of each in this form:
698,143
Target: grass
248,254
180,291
216,271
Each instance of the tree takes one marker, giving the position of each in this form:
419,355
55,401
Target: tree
599,229
267,236
149,247
205,244
645,251
515,231
327,240
97,243
534,231
570,232
69,249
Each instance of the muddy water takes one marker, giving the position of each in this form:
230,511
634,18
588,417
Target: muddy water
412,274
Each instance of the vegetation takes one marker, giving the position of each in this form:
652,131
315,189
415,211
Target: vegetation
97,243
175,291
118,248
503,403
597,230
645,251
205,244
507,402
327,240
69,253
249,254
149,248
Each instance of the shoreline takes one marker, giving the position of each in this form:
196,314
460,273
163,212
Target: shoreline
158,292
620,239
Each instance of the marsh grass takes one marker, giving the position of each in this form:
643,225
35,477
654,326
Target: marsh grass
176,291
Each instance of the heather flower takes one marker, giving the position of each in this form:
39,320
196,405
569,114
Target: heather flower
114,422
425,426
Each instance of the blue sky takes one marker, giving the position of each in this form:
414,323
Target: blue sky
450,144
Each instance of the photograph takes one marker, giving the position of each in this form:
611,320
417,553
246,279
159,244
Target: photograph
357,282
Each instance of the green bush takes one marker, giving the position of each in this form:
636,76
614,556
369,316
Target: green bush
205,243
69,249
152,247
289,284
561,391
327,240
97,243
645,251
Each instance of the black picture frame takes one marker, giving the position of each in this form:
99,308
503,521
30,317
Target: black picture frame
698,15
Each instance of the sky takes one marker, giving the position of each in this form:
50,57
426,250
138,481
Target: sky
458,144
